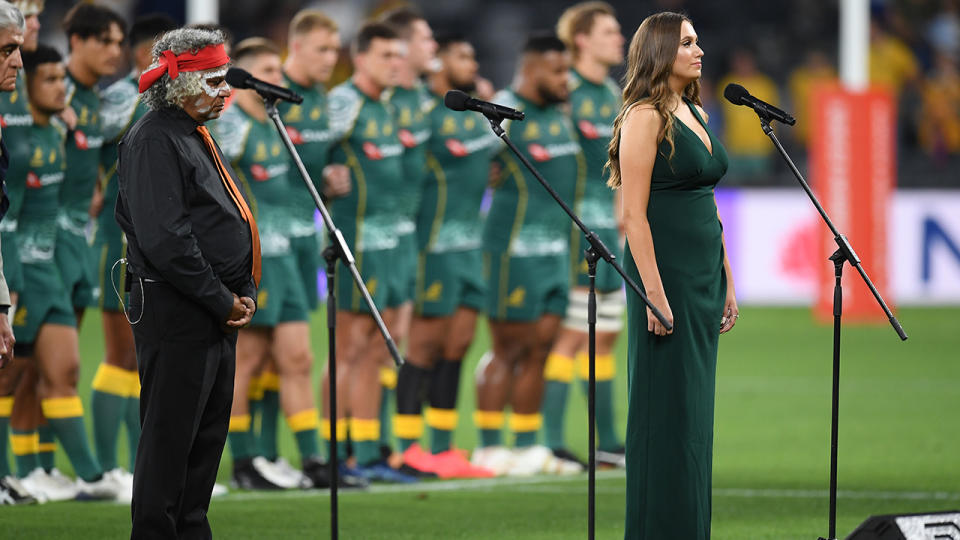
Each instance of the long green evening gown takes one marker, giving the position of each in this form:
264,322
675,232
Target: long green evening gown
672,378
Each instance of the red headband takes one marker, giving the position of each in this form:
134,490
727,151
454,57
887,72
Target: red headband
208,57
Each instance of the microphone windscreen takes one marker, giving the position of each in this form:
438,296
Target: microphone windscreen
734,93
456,100
237,77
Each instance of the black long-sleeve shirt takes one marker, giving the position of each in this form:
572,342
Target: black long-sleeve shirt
181,224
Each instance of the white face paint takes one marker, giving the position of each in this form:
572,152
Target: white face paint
202,106
214,91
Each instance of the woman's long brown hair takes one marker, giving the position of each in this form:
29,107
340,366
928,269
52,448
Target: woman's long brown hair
653,50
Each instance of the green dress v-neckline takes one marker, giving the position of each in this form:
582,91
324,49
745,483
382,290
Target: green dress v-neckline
703,124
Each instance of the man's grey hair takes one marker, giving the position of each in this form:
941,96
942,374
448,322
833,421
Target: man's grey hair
10,17
166,92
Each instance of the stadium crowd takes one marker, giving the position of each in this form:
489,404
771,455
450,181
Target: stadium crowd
445,224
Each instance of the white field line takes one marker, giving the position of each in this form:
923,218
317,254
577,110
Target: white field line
577,483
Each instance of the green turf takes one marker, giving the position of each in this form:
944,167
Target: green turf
898,441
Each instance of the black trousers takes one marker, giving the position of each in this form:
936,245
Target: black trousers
186,365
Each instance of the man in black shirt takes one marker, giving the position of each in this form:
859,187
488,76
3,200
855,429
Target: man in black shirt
194,259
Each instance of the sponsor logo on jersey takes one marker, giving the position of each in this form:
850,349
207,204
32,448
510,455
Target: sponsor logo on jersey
295,136
407,138
545,153
456,148
37,182
15,120
81,140
375,153
588,130
259,173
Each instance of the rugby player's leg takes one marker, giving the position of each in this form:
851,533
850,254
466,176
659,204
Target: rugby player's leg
445,384
527,391
365,392
352,332
609,322
512,342
9,378
266,404
291,347
424,347
557,375
252,346
115,389
25,420
57,354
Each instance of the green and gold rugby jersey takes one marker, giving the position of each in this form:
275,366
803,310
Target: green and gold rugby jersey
411,107
458,170
524,220
593,108
368,144
15,124
31,222
83,156
15,121
120,108
262,164
308,125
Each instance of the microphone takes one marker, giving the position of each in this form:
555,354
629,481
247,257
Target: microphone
738,95
240,78
460,101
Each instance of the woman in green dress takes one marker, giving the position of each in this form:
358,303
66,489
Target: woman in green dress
666,162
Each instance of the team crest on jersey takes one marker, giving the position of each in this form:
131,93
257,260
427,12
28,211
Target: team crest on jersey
456,148
469,123
372,151
555,128
13,96
81,140
588,130
259,173
295,114
449,126
37,159
33,181
315,114
371,130
84,116
275,150
405,116
532,131
294,135
388,128
407,138
53,157
606,110
516,297
260,153
587,108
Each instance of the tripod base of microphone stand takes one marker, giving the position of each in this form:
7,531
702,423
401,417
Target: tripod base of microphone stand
822,538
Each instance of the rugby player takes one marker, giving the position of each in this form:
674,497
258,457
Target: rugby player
592,34
449,290
409,99
526,250
367,142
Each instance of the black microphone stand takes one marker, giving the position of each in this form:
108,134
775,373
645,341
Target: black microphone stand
594,253
337,250
843,254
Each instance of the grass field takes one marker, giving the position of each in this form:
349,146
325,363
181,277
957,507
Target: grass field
899,435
